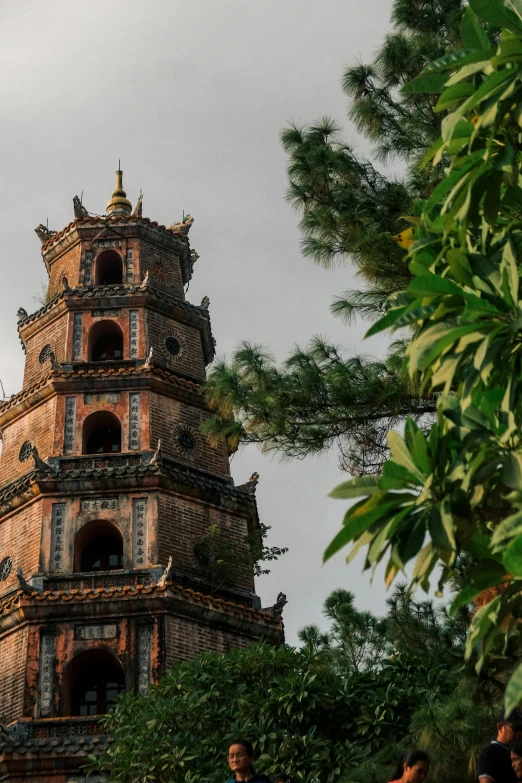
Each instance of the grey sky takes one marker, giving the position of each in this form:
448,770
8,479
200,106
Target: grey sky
192,96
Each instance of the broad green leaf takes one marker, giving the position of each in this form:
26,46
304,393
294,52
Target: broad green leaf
513,695
457,59
424,564
429,285
494,12
353,527
468,593
401,454
508,529
491,86
452,94
512,557
441,531
385,322
356,487
512,470
425,83
448,183
472,33
484,619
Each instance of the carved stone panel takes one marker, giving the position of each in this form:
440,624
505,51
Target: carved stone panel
46,675
107,631
134,420
70,421
143,657
99,504
87,272
133,334
129,265
139,532
114,312
77,337
57,536
110,397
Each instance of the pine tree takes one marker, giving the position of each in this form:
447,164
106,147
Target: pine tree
351,212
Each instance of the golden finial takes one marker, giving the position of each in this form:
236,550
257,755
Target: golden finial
119,203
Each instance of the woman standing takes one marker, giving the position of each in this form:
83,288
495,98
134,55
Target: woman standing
413,768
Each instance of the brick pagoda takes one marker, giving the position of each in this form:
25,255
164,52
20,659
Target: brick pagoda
106,487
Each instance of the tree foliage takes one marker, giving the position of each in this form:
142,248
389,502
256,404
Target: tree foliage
350,210
458,490
344,707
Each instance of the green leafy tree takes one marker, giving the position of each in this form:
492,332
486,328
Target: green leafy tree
458,491
342,709
350,211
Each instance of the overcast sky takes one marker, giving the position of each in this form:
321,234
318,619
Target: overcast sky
192,96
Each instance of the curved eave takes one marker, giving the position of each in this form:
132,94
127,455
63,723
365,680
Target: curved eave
125,295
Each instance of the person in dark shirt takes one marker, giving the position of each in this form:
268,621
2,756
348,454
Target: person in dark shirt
494,762
241,759
516,759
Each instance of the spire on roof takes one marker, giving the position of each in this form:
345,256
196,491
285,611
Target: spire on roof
119,203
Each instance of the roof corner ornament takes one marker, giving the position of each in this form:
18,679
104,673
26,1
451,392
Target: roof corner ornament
79,210
252,483
205,303
156,457
65,283
281,602
148,361
138,209
21,314
145,282
39,463
55,364
183,226
44,234
162,581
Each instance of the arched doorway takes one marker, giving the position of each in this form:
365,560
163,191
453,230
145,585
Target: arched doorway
94,681
108,268
98,546
101,433
105,342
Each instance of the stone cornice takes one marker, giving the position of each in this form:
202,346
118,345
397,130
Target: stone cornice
126,472
129,375
31,606
124,295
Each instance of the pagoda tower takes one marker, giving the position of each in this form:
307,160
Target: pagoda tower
108,489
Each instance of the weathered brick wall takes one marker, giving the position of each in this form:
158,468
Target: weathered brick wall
54,335
20,535
182,521
189,361
67,264
184,639
37,426
169,418
163,268
13,654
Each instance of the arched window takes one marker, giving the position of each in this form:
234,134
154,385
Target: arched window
109,268
98,547
101,433
105,342
94,681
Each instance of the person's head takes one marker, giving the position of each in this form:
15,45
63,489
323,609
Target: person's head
240,756
281,777
414,767
509,727
516,758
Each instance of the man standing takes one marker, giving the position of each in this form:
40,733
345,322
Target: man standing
241,759
494,762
